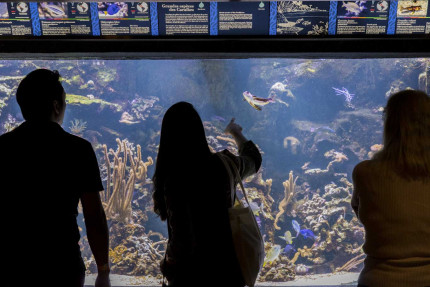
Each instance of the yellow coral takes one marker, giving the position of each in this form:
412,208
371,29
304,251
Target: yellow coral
117,254
119,189
289,188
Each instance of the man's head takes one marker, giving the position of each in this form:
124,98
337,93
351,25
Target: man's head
41,96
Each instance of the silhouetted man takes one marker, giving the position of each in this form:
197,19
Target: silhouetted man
44,172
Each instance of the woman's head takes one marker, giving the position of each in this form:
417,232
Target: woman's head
183,147
407,133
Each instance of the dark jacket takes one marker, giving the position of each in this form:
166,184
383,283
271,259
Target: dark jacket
43,173
200,250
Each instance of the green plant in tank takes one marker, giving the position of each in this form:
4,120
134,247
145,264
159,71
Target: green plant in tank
106,76
73,99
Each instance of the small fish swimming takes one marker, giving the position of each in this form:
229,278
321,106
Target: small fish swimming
273,254
111,131
287,237
256,102
296,227
289,249
306,233
255,208
217,119
258,219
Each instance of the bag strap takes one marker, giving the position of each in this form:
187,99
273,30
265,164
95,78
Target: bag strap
236,175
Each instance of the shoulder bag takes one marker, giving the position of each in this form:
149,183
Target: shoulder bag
247,239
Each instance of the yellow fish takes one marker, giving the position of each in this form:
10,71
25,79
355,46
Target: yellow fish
273,254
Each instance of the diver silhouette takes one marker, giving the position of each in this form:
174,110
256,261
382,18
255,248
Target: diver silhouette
391,197
44,173
192,192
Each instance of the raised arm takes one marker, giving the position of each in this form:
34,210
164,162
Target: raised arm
249,159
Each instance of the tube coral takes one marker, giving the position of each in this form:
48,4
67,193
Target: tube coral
289,188
119,187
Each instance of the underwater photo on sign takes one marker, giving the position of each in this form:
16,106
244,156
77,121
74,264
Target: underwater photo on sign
313,120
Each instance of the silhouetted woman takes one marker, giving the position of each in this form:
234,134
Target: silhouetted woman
392,197
192,192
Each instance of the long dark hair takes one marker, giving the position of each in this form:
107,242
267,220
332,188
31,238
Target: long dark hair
407,135
182,146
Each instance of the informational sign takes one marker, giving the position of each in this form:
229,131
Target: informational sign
183,18
124,18
303,17
243,18
413,17
362,17
64,18
15,19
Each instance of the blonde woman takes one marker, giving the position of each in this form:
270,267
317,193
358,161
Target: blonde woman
392,197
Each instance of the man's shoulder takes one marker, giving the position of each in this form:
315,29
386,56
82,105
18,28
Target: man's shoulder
8,137
76,141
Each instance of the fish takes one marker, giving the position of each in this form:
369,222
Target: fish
256,102
258,219
217,119
111,131
113,9
273,254
412,9
287,237
296,227
289,249
54,10
307,233
255,208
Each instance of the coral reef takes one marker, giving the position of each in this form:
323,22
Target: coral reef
374,149
77,127
73,99
289,188
122,178
10,123
143,107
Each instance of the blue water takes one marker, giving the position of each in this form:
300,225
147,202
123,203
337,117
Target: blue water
325,117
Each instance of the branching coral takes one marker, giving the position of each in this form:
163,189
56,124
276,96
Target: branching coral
77,127
335,156
304,252
120,187
289,188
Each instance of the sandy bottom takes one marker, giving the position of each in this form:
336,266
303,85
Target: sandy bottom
343,279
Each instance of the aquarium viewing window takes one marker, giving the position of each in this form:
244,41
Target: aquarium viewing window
328,90
325,117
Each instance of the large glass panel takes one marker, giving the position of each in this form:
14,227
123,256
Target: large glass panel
314,121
